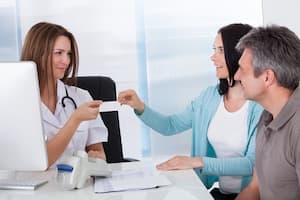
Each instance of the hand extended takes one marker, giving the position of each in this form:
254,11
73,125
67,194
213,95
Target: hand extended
129,97
87,111
97,154
181,162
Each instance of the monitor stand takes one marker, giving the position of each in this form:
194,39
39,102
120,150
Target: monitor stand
12,180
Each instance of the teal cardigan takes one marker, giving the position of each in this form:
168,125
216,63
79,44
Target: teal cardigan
198,116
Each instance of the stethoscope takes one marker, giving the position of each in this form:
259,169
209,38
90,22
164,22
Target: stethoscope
68,98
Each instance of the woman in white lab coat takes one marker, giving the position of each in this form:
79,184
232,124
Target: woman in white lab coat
70,117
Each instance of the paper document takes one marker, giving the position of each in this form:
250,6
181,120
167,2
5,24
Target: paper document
130,180
108,106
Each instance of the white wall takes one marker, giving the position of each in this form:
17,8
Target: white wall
284,13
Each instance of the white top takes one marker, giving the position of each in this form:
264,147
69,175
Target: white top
227,133
88,132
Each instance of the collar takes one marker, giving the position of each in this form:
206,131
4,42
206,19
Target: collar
287,112
47,114
61,90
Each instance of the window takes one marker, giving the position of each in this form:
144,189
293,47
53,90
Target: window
179,40
9,31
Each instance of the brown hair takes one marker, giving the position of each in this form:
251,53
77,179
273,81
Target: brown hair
38,47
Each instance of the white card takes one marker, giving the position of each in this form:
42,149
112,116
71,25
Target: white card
108,106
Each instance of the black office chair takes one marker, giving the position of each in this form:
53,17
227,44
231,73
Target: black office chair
104,88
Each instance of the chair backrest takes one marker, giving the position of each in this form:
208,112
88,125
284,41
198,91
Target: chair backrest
104,88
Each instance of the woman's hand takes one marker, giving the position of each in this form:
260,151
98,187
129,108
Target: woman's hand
57,145
96,151
129,97
181,162
97,154
87,111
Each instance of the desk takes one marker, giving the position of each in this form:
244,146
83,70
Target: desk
185,185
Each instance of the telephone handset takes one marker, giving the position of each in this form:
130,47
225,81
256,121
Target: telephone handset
73,171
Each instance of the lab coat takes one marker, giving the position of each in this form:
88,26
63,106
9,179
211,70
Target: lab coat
88,132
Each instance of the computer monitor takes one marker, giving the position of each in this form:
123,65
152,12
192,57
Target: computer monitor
22,141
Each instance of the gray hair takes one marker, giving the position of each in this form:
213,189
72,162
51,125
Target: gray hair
276,48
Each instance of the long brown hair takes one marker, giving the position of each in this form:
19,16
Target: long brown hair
38,47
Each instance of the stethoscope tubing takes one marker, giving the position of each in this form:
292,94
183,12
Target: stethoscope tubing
68,98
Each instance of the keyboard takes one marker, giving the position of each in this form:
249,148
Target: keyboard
23,184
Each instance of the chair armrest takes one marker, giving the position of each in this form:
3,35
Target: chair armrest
130,160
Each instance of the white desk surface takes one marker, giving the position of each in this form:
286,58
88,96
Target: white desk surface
185,185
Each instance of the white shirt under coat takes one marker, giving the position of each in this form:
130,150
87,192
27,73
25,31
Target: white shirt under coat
88,132
227,134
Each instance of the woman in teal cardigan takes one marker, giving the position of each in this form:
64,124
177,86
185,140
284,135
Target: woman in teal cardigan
223,151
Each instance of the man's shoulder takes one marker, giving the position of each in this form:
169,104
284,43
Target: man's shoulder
294,127
296,119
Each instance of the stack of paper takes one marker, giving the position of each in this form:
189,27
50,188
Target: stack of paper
130,180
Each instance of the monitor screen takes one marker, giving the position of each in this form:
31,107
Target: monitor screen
22,141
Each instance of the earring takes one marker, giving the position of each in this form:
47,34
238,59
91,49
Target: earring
230,82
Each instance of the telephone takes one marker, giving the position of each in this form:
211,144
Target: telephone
73,171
